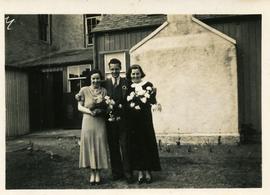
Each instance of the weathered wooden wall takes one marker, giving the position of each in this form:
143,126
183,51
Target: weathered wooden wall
17,103
246,30
118,41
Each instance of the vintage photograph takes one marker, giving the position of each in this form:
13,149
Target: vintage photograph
133,101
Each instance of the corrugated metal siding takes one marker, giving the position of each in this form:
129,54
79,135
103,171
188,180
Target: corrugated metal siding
17,104
248,37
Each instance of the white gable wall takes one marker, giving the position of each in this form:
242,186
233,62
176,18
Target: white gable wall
194,71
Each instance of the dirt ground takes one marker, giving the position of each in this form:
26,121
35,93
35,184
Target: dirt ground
52,163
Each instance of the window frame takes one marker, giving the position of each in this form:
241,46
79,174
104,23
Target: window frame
87,17
45,28
75,78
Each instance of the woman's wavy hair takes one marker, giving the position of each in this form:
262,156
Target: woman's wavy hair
134,66
94,71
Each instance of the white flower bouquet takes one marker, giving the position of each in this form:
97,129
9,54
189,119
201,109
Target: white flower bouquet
99,107
139,96
113,109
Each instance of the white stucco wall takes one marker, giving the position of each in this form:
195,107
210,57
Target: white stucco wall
194,71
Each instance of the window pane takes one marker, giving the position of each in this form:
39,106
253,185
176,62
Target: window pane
91,23
94,23
43,27
90,38
84,70
73,71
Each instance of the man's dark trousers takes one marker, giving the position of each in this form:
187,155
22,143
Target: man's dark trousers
117,134
118,146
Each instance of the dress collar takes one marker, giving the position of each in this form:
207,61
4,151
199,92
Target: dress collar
140,84
95,91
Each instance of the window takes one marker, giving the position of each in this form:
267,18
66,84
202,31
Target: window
44,28
90,22
77,77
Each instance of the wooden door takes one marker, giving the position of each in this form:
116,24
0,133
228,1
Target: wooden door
46,100
52,103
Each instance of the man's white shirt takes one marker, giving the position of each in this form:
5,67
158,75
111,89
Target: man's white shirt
117,81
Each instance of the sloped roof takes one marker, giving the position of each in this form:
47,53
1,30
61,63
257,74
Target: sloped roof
113,22
224,17
61,58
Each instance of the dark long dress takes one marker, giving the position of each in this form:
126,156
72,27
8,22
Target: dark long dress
143,145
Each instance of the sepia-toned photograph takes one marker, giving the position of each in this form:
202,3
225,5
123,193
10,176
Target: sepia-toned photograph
133,101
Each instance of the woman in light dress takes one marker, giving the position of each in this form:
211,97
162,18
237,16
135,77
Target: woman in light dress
93,145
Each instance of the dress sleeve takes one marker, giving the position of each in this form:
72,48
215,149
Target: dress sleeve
152,98
81,95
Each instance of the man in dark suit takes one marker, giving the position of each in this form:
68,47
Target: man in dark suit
116,129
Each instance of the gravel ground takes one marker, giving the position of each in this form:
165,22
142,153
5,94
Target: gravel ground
52,163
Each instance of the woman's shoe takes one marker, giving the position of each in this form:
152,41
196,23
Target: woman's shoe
97,178
140,180
148,180
148,177
92,179
140,177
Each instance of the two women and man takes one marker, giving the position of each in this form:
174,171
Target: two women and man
128,130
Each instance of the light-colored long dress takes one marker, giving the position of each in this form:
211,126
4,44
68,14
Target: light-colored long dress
93,147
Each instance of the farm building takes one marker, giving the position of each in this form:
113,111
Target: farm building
48,57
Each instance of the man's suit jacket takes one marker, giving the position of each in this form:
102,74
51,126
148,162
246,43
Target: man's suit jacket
117,93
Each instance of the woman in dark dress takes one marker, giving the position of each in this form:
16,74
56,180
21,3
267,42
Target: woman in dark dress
143,146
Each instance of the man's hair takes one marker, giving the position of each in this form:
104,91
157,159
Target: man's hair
115,61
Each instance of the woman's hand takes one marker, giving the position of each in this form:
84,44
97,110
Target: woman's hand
157,107
93,113
78,97
96,112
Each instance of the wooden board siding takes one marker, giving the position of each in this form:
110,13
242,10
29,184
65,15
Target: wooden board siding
118,41
17,103
247,32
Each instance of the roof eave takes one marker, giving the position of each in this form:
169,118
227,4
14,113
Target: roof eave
128,28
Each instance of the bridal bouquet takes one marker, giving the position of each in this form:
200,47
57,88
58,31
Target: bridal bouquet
103,105
113,109
139,96
99,106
